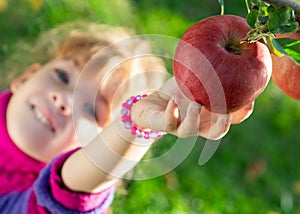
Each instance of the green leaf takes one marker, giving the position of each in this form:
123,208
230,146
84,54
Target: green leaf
270,9
291,48
264,10
259,3
274,46
252,17
282,20
277,48
255,2
263,15
263,19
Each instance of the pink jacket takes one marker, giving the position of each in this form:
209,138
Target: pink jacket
30,186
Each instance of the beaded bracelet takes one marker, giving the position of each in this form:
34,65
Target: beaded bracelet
134,129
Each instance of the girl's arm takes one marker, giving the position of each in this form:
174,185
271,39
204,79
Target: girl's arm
108,157
115,151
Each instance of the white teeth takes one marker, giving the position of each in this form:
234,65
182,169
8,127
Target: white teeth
41,117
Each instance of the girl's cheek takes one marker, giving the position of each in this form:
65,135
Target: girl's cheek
86,131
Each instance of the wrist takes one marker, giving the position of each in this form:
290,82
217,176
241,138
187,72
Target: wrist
132,126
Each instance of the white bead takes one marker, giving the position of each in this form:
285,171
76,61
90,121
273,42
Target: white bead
128,125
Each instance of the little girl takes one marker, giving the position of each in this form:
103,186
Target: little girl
63,146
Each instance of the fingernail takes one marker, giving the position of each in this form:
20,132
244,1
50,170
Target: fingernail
195,107
227,119
175,99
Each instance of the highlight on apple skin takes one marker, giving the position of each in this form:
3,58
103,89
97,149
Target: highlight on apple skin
286,72
215,67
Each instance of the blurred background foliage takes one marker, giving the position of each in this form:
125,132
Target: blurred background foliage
256,168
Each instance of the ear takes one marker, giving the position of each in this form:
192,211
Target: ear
242,114
16,83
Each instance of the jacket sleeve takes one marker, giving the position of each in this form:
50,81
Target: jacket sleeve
50,194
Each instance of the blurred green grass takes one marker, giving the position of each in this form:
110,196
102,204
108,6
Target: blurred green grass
256,168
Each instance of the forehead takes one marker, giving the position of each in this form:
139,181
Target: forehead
101,66
68,65
79,58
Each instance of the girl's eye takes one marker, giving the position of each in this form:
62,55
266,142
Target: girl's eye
62,75
91,111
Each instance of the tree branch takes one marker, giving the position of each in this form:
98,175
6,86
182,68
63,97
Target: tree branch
295,5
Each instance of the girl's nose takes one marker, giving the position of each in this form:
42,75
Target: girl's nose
62,102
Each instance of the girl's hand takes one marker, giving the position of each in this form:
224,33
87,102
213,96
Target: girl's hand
170,110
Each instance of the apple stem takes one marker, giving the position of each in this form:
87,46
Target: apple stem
257,33
247,5
222,9
221,2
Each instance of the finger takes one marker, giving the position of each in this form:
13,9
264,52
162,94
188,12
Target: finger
242,114
215,129
157,121
182,104
164,120
171,115
190,124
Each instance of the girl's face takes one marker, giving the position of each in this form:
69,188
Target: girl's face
42,117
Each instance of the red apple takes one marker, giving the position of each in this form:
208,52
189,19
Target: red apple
286,73
215,68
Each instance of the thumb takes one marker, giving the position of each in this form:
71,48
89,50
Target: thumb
215,128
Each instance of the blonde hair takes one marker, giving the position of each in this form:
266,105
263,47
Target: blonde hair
87,39
137,69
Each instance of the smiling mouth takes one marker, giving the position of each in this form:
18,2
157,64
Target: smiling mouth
43,119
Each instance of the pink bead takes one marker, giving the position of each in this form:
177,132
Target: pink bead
136,131
125,118
133,130
126,105
146,135
134,100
